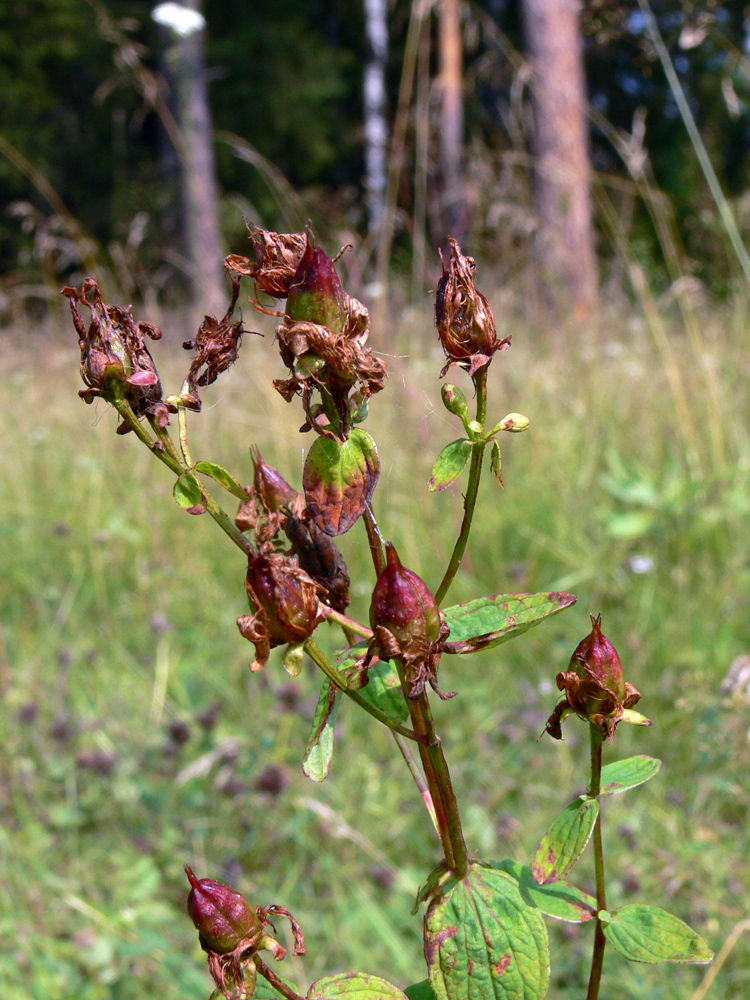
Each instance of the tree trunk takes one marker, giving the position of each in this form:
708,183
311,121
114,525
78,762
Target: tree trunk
376,125
451,119
204,247
565,244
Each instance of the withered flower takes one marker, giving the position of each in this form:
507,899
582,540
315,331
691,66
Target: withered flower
595,687
407,625
277,257
322,340
231,932
273,507
286,598
463,317
216,347
115,362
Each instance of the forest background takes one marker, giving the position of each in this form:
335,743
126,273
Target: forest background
132,736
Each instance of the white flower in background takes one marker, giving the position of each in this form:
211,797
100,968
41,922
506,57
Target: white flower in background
181,20
641,564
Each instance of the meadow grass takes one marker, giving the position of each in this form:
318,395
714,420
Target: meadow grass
134,739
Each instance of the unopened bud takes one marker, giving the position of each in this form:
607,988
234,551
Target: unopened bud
222,915
455,401
403,604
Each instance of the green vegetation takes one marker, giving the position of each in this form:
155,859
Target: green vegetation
135,739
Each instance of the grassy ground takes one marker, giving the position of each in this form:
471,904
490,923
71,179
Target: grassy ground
133,738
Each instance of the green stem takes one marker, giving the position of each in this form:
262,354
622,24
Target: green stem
169,456
470,500
347,623
597,959
317,655
418,777
278,984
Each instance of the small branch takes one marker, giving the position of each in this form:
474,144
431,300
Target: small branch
375,539
470,500
419,781
348,624
597,959
317,655
278,984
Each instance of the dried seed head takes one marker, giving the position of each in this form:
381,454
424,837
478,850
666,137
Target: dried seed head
222,915
286,598
277,257
463,317
270,485
115,362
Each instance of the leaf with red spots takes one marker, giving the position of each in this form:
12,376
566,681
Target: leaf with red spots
339,479
563,844
483,941
354,984
489,621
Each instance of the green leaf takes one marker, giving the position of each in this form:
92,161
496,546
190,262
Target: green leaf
629,773
450,464
561,900
354,984
563,844
496,462
489,621
222,477
339,480
187,492
648,934
316,763
264,990
383,691
482,942
420,991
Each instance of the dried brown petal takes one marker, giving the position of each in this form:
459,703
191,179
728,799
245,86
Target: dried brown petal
463,317
216,345
277,257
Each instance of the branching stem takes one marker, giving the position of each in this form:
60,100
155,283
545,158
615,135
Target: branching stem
470,500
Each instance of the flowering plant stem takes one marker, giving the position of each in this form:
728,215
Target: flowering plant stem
170,458
597,737
475,474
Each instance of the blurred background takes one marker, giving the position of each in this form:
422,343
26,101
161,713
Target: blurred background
594,161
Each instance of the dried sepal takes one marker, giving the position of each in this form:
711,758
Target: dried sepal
463,317
594,685
216,347
277,257
115,362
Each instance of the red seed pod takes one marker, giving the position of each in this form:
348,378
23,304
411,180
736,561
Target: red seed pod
595,657
316,294
594,685
403,604
222,915
270,485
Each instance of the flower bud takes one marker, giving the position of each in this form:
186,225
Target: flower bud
222,915
316,294
403,604
455,401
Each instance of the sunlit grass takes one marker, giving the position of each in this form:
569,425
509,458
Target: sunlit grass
118,637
